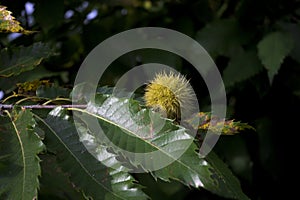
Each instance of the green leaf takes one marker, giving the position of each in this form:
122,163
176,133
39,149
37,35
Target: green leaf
294,31
132,128
241,67
209,172
8,24
19,178
22,59
272,50
124,122
52,92
54,183
9,84
219,169
222,37
86,172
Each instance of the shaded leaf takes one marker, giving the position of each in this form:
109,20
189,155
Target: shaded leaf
95,179
159,189
234,151
22,59
19,178
272,50
8,24
297,93
241,67
8,84
54,183
221,171
294,32
52,92
209,172
222,37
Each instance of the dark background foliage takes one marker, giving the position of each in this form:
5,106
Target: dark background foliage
265,96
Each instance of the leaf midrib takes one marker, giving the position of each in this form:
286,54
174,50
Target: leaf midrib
151,144
183,164
82,166
22,150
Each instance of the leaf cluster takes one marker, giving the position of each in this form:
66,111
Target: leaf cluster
255,45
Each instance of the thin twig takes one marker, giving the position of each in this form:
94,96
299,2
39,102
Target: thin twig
10,106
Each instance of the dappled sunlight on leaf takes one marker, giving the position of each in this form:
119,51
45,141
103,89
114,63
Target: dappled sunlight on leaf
8,24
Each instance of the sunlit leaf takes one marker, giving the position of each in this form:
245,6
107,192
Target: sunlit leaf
8,24
31,86
139,130
96,180
202,120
